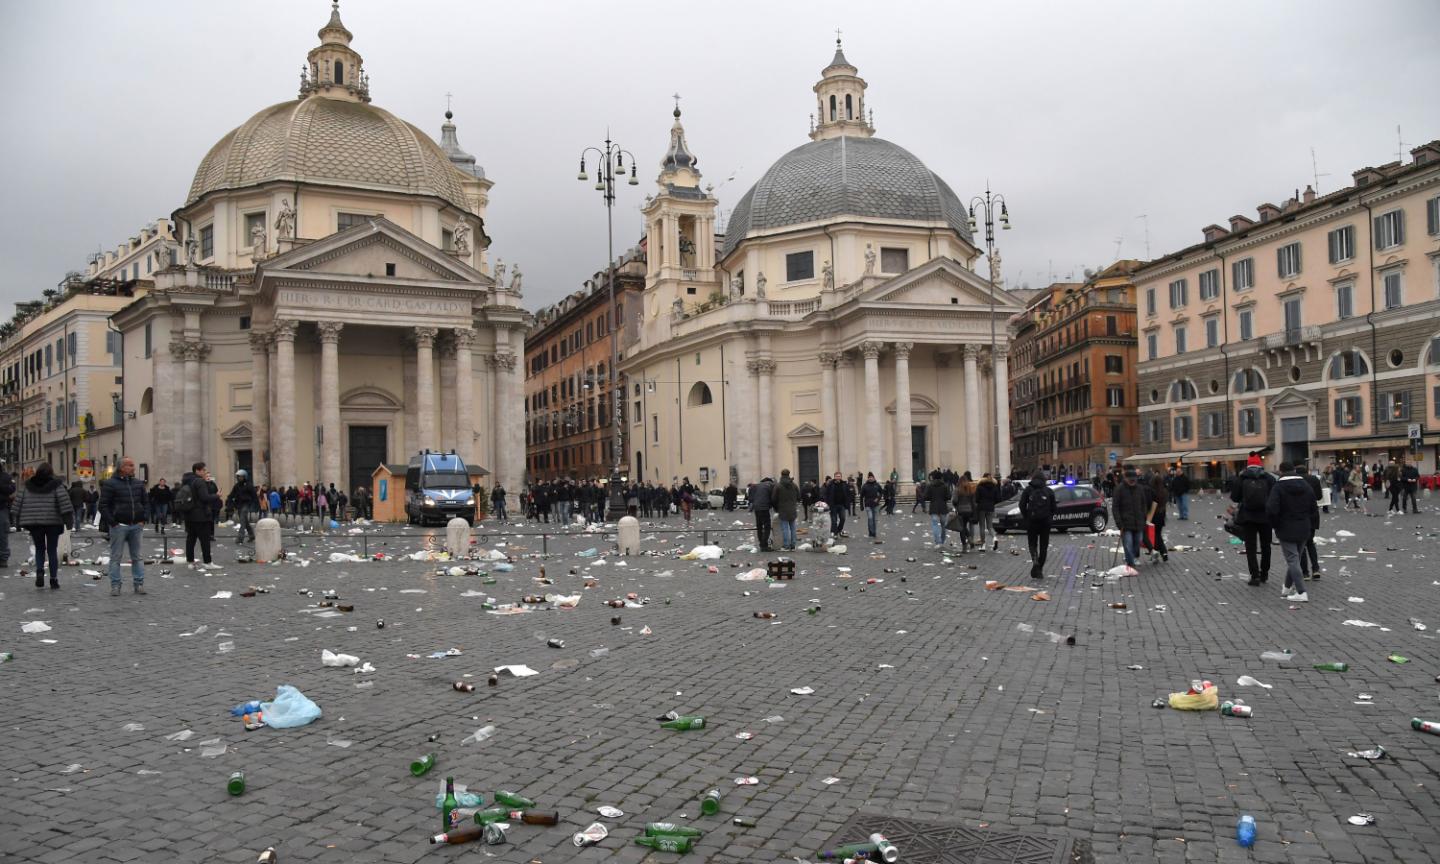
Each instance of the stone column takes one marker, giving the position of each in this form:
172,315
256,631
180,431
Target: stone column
192,423
283,439
743,444
260,405
407,381
425,388
486,410
167,405
508,459
463,339
331,446
447,394
902,409
974,406
874,450
1002,412
829,449
845,424
764,370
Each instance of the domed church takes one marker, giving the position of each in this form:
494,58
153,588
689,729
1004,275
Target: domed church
330,306
838,324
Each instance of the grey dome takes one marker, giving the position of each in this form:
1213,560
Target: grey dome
845,176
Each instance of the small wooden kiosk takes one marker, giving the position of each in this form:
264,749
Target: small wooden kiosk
387,490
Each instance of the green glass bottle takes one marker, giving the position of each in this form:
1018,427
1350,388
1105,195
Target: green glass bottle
447,806
510,799
666,843
491,814
1333,667
710,804
422,765
670,829
849,850
236,784
684,723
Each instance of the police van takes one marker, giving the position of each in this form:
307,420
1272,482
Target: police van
437,489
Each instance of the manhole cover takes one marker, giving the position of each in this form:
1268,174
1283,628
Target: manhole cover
942,843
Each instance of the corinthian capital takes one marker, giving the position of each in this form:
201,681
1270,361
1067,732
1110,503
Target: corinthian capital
871,350
505,362
829,359
902,350
971,352
464,337
425,337
329,331
260,341
284,330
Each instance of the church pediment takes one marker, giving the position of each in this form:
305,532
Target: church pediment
370,250
941,282
805,430
239,432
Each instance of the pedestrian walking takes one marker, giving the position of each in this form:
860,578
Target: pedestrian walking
243,501
1180,492
762,502
871,497
834,493
1394,485
1156,517
1292,511
1037,507
43,508
964,521
196,503
1409,486
7,495
937,500
1129,509
987,495
1251,494
122,509
1310,561
786,499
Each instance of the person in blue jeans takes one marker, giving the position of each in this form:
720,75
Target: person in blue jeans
937,499
1129,507
1179,489
871,496
122,502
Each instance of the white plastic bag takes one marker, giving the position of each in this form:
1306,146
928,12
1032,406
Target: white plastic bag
330,658
290,709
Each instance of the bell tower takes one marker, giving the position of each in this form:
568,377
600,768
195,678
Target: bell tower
840,100
333,69
680,228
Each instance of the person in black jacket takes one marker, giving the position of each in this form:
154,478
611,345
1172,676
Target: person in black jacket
7,492
161,495
1180,491
937,496
762,501
987,495
1310,562
1250,492
200,516
871,497
1292,509
122,508
835,494
243,502
1129,508
1037,507
43,508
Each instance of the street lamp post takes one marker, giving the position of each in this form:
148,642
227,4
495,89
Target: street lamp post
987,203
610,160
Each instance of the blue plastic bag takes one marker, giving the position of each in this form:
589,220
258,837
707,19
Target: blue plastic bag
334,525
290,709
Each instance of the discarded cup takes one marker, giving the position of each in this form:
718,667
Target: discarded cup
591,835
1376,752
236,783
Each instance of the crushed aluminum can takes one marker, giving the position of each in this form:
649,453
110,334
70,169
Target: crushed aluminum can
494,833
1362,819
592,835
1376,752
668,716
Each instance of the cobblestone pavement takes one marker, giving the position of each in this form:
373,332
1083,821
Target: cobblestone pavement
934,699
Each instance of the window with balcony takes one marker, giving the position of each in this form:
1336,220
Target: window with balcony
1179,293
1210,284
1248,421
1182,427
1247,324
1288,260
1342,244
1348,364
1395,405
1394,289
1348,411
1292,320
1242,274
1345,300
1390,229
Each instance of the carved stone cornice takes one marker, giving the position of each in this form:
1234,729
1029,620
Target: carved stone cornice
284,330
425,337
329,331
871,350
902,350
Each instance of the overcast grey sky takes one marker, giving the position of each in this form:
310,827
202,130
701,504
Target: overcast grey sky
1084,115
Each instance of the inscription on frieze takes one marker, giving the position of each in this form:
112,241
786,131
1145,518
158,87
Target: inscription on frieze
354,302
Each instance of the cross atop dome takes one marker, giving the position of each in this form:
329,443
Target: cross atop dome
840,95
333,69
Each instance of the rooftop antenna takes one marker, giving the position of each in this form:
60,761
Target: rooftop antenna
1119,241
1315,170
1399,145
1145,217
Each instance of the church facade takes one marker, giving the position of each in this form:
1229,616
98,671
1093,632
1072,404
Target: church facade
331,307
839,325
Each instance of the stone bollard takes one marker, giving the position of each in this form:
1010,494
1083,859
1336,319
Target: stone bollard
628,535
267,541
63,547
457,537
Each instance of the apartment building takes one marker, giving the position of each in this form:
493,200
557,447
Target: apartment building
1310,332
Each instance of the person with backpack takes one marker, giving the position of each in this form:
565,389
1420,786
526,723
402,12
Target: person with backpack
122,508
43,508
1130,509
195,503
1251,494
1292,509
1037,506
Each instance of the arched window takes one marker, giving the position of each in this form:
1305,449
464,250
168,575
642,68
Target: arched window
1182,390
832,109
699,395
147,402
1434,358
339,72
1348,364
1249,381
849,108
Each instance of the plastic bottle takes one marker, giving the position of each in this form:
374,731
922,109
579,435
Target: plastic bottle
710,804
1333,667
448,806
236,783
1430,726
511,799
666,843
670,829
684,723
1245,831
422,765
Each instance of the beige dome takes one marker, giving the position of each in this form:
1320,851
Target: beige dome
333,142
